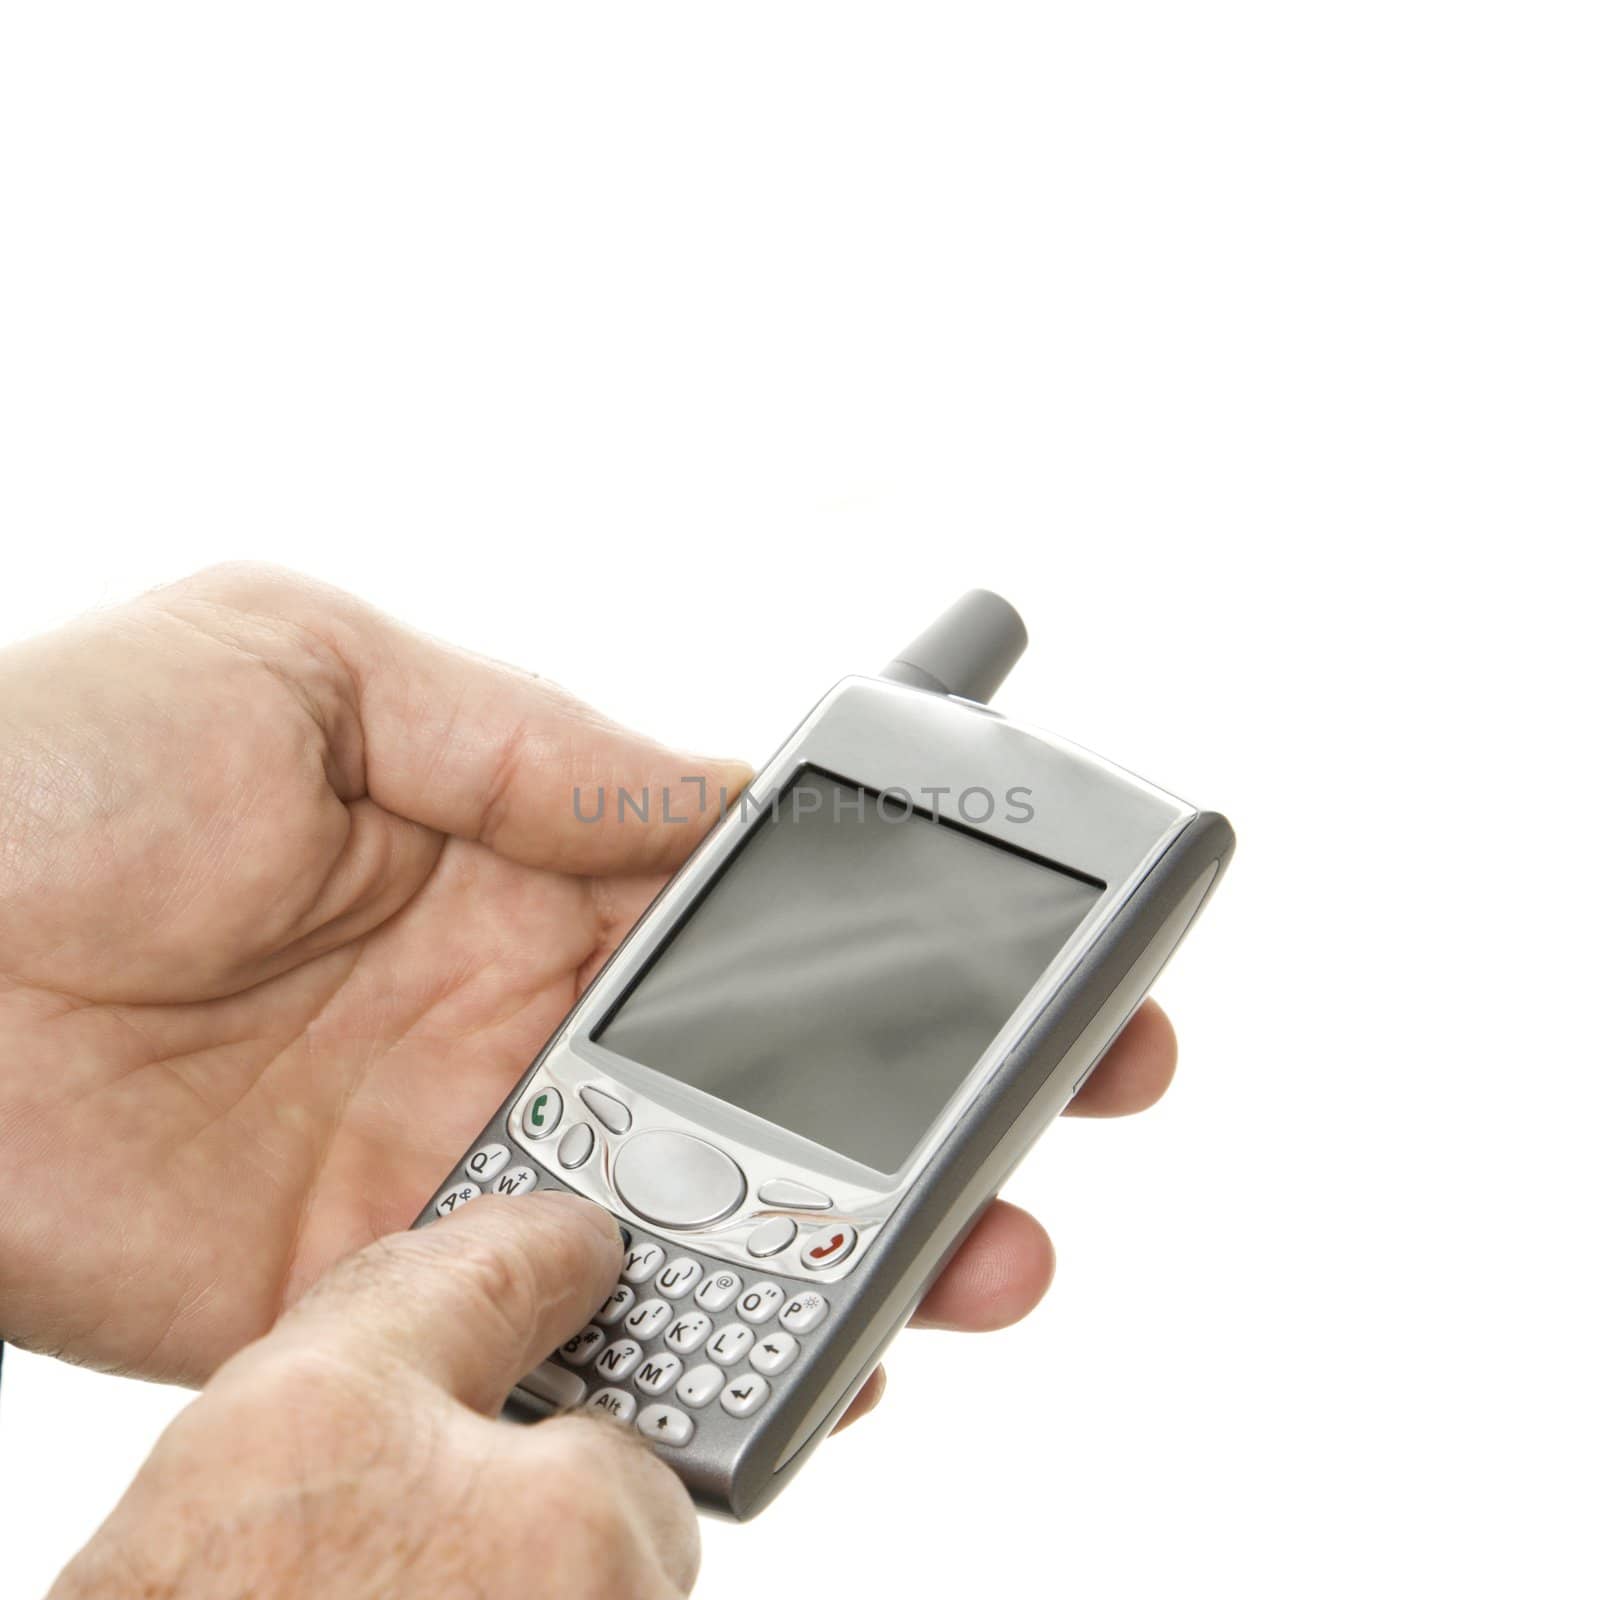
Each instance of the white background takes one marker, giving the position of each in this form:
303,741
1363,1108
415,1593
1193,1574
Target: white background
693,357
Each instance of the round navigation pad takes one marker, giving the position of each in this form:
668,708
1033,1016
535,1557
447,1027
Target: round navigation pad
675,1180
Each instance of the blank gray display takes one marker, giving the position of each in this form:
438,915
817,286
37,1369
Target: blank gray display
848,969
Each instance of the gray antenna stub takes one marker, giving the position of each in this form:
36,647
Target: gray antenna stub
967,651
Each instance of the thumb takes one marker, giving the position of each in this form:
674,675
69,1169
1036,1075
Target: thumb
476,748
471,1302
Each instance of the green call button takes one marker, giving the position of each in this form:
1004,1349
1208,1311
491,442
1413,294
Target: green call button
542,1114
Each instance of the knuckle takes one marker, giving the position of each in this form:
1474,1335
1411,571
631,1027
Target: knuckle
243,582
260,590
587,1447
298,1372
302,1395
627,1515
490,1276
373,1272
509,765
476,1270
523,1256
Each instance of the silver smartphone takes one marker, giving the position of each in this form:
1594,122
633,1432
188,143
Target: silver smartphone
814,1061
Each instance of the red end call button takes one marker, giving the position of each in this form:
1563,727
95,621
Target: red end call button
830,1244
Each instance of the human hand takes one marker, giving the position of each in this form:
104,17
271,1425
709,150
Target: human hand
351,1452
289,897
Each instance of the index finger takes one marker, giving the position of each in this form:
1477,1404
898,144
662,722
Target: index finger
471,1302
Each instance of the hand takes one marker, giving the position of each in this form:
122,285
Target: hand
289,897
351,1451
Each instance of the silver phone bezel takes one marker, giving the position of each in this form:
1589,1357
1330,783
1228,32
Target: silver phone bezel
1089,818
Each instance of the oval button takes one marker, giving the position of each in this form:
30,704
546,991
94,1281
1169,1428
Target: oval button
675,1180
607,1108
576,1145
771,1237
792,1196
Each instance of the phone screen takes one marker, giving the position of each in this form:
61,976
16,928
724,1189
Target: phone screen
848,968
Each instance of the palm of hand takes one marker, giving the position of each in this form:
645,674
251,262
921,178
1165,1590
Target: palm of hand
268,1011
288,899
270,1133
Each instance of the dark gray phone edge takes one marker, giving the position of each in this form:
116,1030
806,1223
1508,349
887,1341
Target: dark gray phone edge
735,1469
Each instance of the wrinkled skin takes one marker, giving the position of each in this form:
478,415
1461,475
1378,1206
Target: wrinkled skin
350,1455
289,896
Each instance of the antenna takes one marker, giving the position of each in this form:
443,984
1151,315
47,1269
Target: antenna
967,651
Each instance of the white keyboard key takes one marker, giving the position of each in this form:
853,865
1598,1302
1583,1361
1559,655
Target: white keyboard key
458,1196
581,1348
745,1395
699,1386
657,1374
617,1402
644,1321
718,1291
729,1342
804,1312
642,1261
665,1425
616,1307
617,1360
758,1303
554,1385
517,1181
486,1162
678,1277
773,1353
771,1237
689,1332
